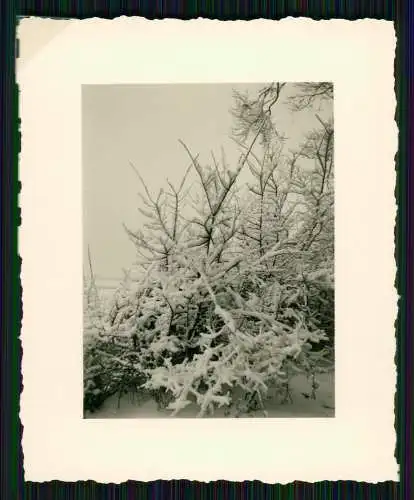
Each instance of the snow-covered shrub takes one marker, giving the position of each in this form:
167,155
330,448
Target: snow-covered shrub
93,317
255,346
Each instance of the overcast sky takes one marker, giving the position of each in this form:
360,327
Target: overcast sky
142,124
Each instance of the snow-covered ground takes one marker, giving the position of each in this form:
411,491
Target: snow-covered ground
300,406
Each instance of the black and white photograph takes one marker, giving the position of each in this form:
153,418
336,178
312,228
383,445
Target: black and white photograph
208,250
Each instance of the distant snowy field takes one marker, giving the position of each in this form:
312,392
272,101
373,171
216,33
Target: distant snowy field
108,285
106,289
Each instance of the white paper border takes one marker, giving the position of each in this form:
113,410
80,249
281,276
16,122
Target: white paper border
359,443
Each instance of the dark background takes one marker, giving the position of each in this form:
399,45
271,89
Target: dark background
12,476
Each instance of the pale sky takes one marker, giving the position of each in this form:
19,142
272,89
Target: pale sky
142,124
